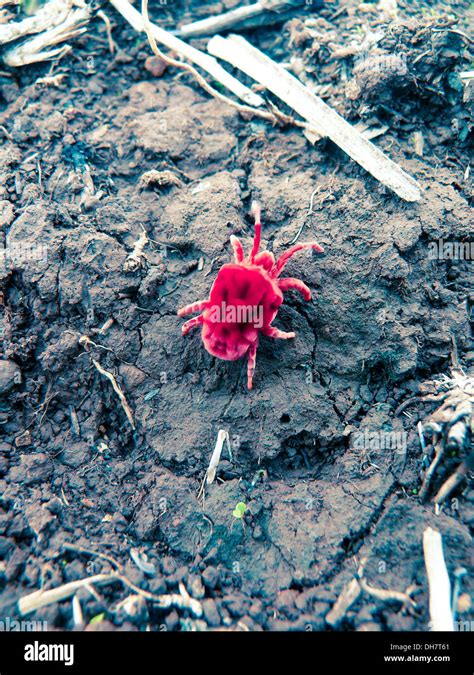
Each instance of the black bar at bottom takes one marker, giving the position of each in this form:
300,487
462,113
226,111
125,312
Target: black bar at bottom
104,652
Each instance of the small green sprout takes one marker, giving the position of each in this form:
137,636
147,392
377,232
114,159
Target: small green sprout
97,619
240,510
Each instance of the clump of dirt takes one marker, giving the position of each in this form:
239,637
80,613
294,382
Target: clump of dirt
394,73
78,478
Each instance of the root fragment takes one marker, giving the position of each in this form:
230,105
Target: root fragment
389,595
451,428
353,590
137,257
118,391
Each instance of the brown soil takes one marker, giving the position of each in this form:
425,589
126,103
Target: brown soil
382,321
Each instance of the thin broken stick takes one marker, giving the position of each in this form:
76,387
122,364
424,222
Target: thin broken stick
346,599
248,15
108,29
274,116
382,593
438,582
222,437
325,121
42,598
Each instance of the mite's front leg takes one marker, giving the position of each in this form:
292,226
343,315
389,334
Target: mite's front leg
193,308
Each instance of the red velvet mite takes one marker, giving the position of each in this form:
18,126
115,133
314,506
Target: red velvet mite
244,300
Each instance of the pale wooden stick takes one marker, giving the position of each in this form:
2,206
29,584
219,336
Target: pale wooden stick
239,17
173,43
438,582
37,599
349,595
215,24
346,599
222,437
325,121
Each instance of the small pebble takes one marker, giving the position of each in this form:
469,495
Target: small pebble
155,65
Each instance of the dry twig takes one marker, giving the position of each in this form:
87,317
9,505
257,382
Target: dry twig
259,13
323,119
37,599
222,437
346,599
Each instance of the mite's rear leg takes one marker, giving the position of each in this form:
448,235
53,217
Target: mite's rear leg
289,283
186,327
252,360
193,308
237,248
273,332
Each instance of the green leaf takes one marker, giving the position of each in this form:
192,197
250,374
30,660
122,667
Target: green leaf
97,619
239,510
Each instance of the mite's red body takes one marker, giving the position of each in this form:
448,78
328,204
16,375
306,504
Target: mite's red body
244,300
